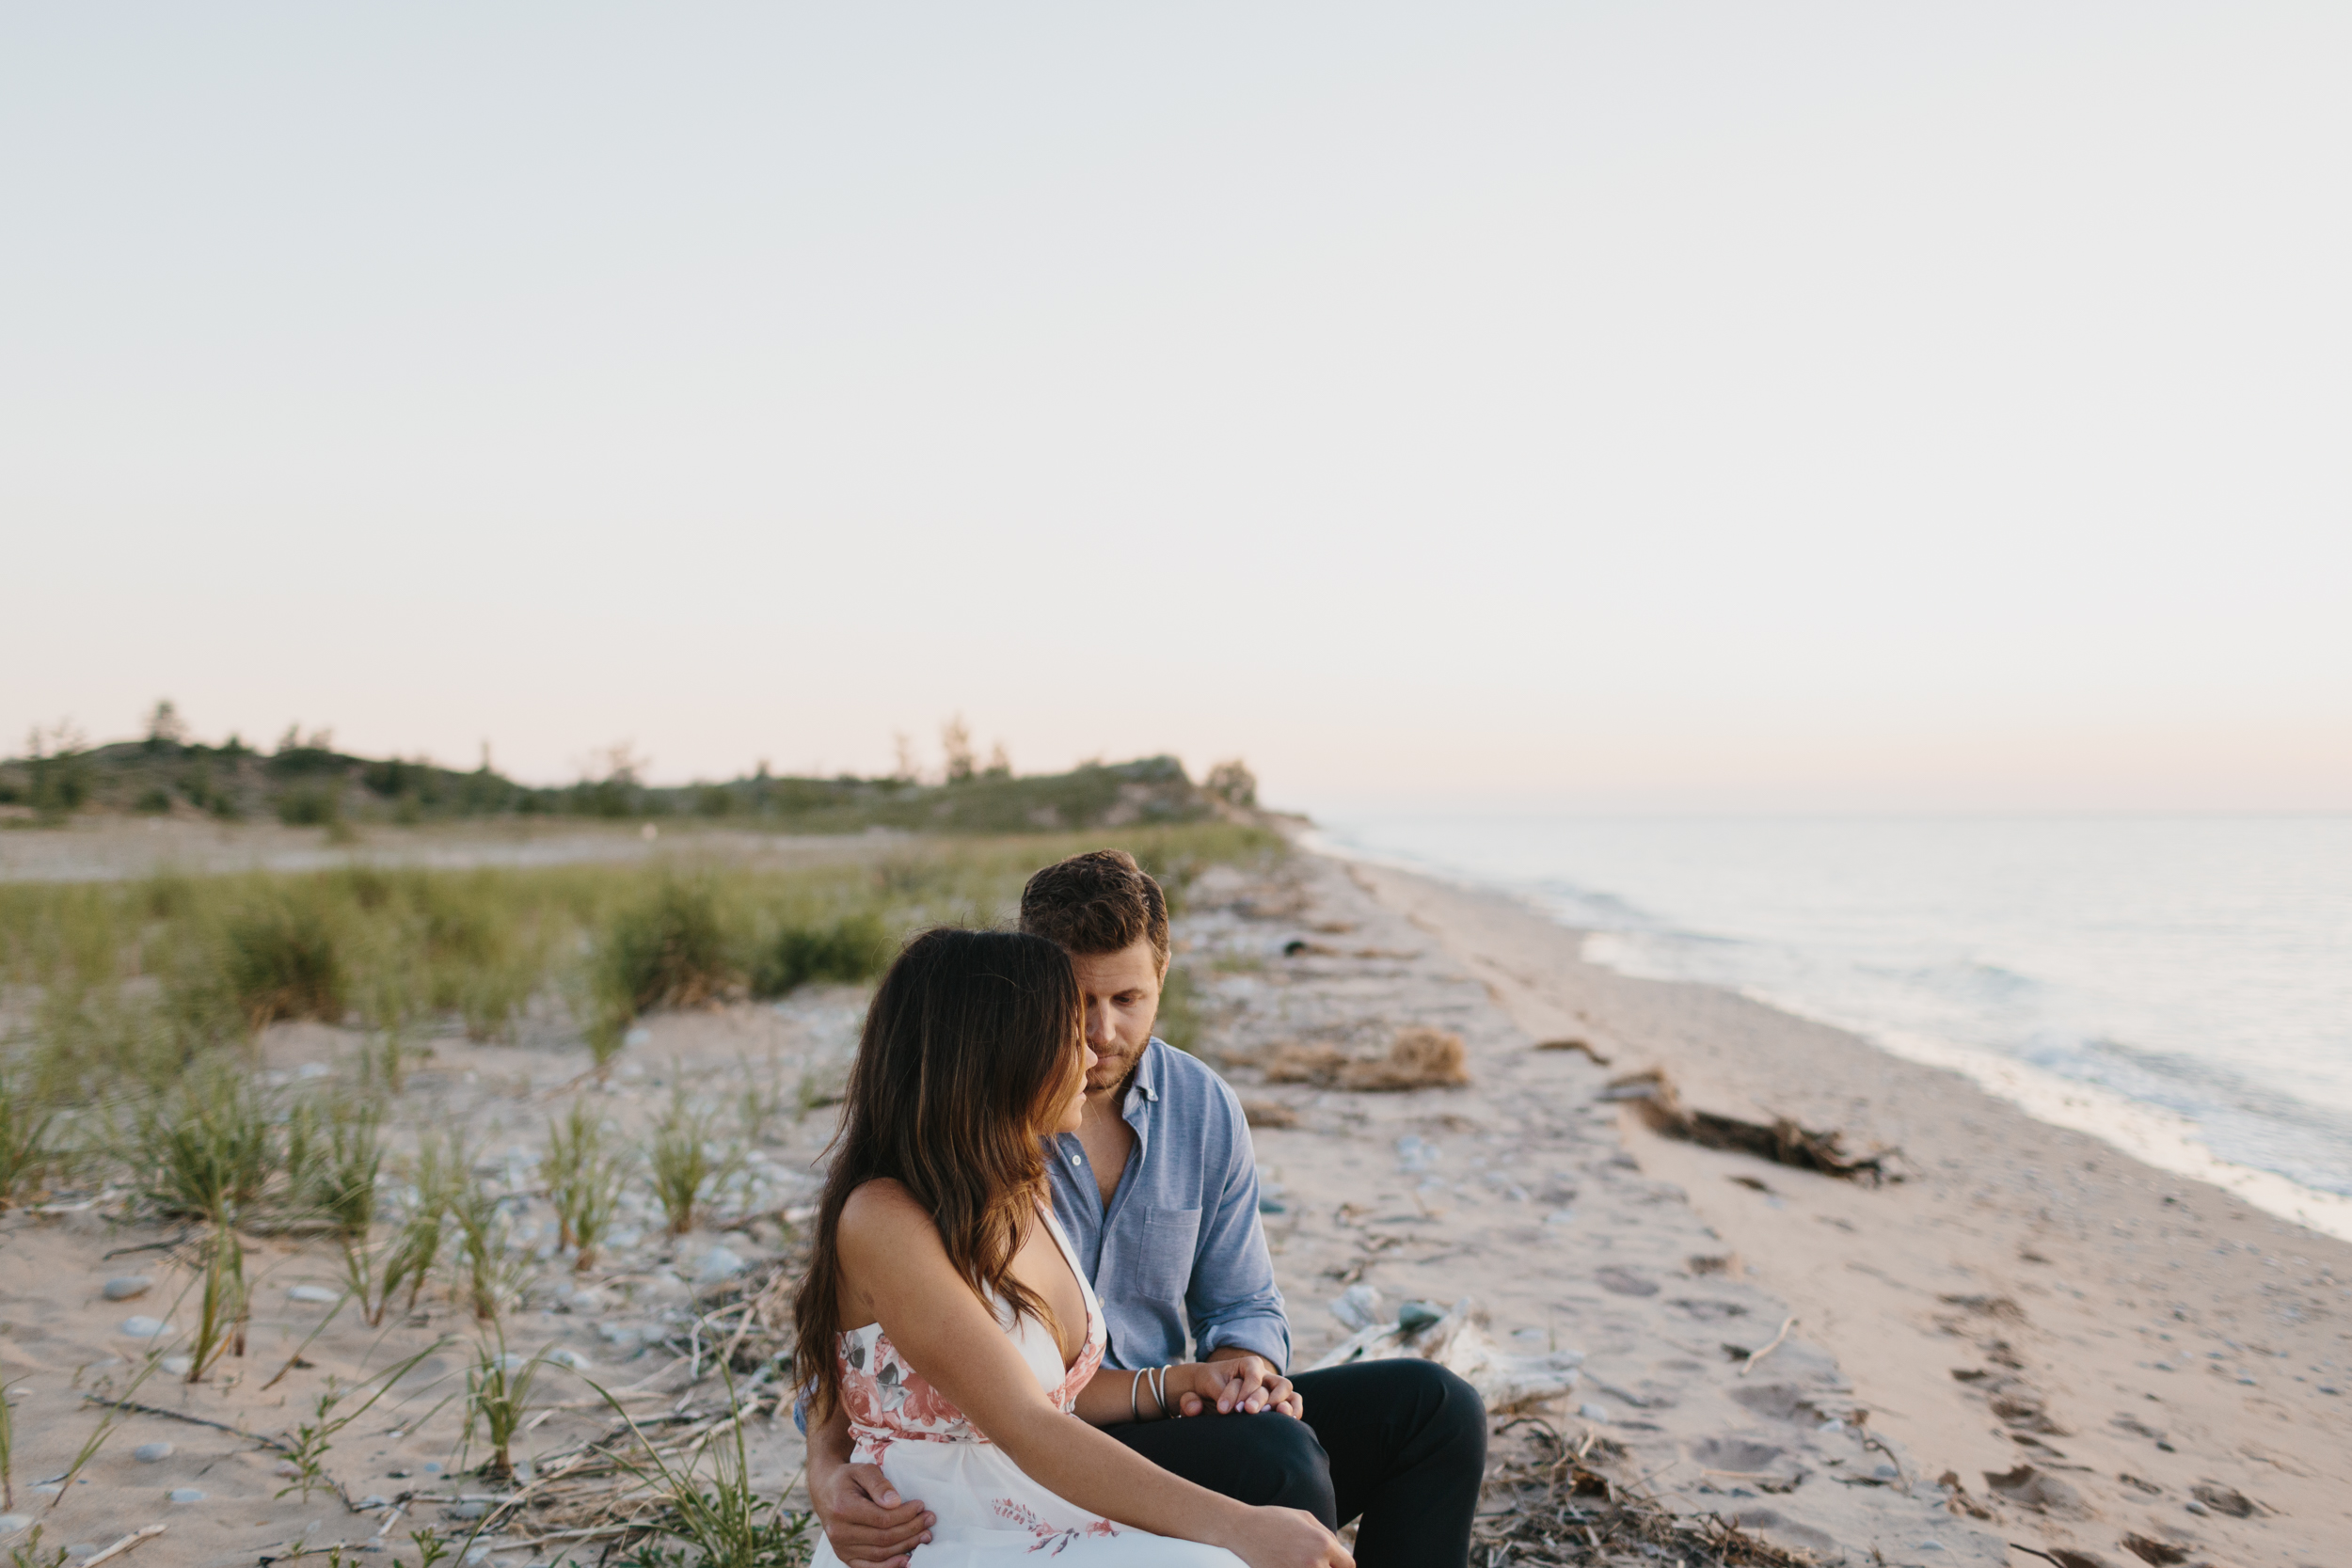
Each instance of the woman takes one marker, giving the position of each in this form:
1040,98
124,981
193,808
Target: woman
944,1308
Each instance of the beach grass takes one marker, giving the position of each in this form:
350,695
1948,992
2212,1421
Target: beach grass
584,1171
687,1162
131,1014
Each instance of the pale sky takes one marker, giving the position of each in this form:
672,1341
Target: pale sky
1616,405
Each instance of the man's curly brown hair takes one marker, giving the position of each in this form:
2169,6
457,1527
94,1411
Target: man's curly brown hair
1098,902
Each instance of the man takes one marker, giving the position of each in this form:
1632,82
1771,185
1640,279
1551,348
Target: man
1158,1191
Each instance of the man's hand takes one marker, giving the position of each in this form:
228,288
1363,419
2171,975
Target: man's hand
1237,1380
864,1519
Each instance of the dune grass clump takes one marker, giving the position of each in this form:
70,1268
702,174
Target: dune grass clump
670,947
23,1137
498,1390
686,1163
585,1173
210,1146
853,948
726,1520
667,949
7,1450
280,960
414,1251
223,1306
492,1274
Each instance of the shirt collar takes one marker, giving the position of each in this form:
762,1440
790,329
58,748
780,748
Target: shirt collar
1143,1089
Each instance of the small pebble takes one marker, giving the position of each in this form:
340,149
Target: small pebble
432,1466
11,1523
1886,1472
2330,1388
717,1264
145,1328
123,1286
476,1556
1930,1544
152,1454
177,1366
466,1511
1593,1412
313,1292
183,1495
2197,1508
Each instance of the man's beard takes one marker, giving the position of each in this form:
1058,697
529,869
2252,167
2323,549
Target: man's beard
1116,1084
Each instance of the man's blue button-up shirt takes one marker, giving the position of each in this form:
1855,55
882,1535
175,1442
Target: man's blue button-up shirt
1179,1245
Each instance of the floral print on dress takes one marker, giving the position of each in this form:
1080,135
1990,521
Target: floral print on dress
888,1401
1052,1541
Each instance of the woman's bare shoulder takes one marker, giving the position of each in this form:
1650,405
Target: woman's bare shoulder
883,1211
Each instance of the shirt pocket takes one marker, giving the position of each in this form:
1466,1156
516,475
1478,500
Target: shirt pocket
1162,1264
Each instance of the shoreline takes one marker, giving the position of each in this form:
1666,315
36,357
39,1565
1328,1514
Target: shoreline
2152,1135
2121,1327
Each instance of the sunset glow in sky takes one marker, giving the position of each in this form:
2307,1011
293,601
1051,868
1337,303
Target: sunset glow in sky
1650,407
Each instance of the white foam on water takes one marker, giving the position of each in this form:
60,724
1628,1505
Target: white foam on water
2148,1134
2177,989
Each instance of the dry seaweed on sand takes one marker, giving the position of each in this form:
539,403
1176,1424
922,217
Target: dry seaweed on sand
1783,1142
1552,1506
1418,1059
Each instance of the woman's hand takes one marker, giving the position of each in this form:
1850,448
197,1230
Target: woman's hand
1243,1383
1286,1538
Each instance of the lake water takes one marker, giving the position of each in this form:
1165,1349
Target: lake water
2180,985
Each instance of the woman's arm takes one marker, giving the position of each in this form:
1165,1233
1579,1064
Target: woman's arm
895,1266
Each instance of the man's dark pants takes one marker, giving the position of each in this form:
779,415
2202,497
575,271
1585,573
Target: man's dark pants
1400,1445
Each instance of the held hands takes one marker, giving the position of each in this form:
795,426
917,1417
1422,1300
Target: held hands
866,1521
1242,1383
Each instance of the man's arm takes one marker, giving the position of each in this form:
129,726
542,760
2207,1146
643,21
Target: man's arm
1234,1306
868,1526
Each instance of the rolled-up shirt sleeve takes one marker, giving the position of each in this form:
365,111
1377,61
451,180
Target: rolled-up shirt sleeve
1232,1299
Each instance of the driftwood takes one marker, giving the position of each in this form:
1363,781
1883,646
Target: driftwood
1574,1042
1782,1141
1419,1059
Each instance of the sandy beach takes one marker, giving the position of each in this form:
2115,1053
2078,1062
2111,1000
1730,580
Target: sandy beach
2029,1340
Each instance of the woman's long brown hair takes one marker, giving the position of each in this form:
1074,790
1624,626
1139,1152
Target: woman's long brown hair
969,1035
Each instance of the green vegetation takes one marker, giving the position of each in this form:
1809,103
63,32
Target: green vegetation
687,1164
315,1437
416,1250
7,1450
726,1522
306,783
124,989
492,1274
855,947
584,1175
23,1139
497,1390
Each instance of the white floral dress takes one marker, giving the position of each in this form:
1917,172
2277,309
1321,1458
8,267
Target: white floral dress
991,1514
